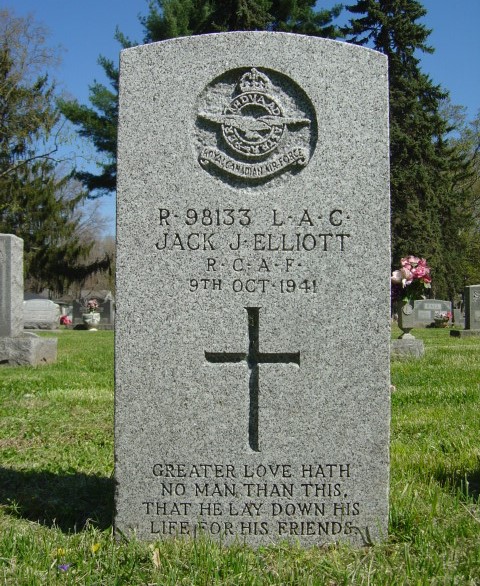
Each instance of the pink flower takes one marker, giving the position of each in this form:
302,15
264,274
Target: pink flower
419,271
413,275
414,260
92,305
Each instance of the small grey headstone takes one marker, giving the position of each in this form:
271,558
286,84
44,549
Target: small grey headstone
252,389
425,310
11,286
459,318
41,314
107,312
16,347
472,313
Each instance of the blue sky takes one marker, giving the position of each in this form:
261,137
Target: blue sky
85,29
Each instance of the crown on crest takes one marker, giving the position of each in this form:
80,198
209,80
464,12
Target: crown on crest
254,80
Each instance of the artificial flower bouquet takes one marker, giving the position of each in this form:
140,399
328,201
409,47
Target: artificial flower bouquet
411,279
441,318
92,306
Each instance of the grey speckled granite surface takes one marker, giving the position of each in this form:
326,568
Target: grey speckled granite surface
252,330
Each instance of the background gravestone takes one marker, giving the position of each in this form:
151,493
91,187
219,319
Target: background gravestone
252,389
16,347
472,313
459,317
11,286
41,314
425,310
472,307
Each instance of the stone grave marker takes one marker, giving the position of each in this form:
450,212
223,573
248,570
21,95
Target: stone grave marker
472,313
425,310
11,286
459,317
16,347
108,312
252,389
41,314
78,309
472,307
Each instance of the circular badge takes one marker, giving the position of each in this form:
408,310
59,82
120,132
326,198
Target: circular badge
254,125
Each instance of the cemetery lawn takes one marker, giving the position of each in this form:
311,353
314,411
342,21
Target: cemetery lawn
56,483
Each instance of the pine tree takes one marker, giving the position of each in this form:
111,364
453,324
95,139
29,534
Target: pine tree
26,112
168,19
425,207
461,220
99,125
174,18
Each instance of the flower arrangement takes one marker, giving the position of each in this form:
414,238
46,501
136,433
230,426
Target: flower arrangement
410,281
441,318
92,306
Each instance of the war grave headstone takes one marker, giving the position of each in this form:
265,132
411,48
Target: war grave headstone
16,346
41,314
252,389
472,313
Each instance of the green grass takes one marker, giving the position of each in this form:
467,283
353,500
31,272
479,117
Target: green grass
56,486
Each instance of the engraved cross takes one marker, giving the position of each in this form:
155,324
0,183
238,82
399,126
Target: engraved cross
253,359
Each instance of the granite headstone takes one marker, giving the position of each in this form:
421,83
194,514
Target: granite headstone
252,389
16,347
41,314
472,307
459,317
471,297
425,310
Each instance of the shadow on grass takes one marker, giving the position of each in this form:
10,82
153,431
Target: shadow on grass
466,484
67,501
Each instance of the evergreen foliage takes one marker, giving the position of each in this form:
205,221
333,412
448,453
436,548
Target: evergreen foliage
99,125
466,144
26,111
428,202
175,18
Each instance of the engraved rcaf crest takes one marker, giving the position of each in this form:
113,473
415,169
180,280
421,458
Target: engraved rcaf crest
254,126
